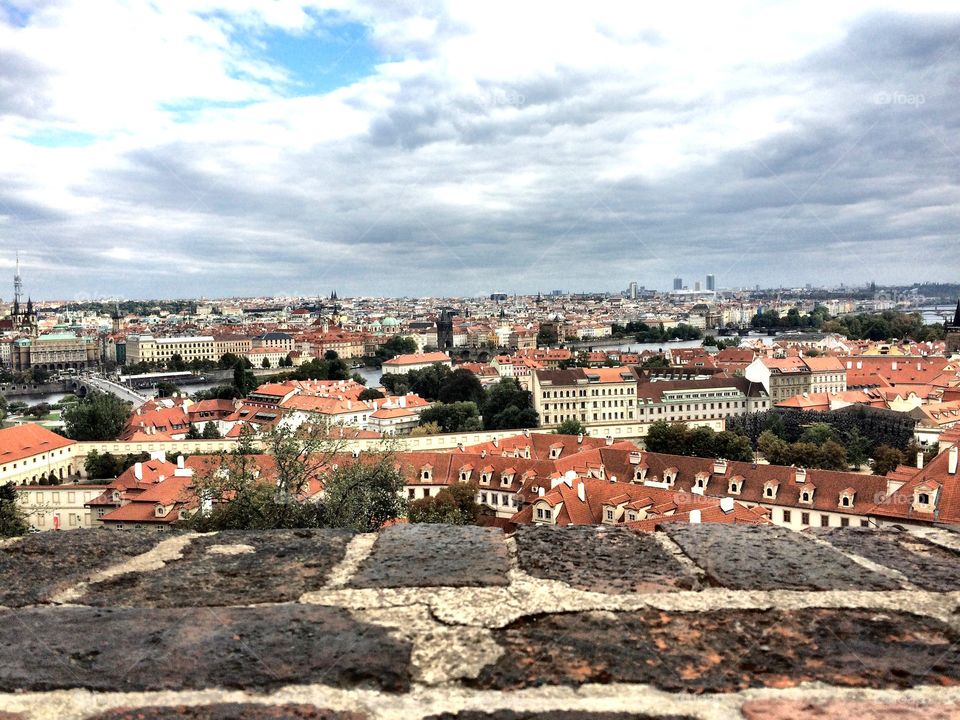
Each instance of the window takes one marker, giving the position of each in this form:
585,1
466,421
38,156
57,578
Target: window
824,521
804,518
768,492
786,516
923,499
609,514
864,523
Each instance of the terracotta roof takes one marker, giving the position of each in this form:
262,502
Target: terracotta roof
27,440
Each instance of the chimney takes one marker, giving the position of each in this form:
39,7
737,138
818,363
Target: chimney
634,457
919,459
719,466
579,438
138,471
952,460
496,441
180,462
694,517
801,475
580,493
483,454
726,504
570,477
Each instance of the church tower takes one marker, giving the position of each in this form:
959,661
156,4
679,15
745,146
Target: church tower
952,335
445,330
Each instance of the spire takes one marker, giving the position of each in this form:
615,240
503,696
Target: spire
956,316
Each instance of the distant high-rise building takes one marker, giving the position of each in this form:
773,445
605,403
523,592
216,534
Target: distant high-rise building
711,283
678,283
632,291
696,286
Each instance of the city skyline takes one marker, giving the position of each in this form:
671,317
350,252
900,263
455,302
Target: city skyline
158,151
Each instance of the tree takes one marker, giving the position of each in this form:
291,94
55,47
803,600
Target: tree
732,446
243,380
571,426
99,416
230,360
655,361
176,363
167,389
101,466
397,345
454,505
370,394
13,521
452,417
266,363
858,448
461,386
886,459
363,495
773,448
193,433
664,437
431,428
833,456
507,406
818,433
210,431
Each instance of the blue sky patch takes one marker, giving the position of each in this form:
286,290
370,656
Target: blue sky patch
327,57
56,138
13,14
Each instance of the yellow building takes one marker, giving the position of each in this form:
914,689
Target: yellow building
31,455
58,507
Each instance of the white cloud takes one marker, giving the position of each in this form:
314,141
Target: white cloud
485,131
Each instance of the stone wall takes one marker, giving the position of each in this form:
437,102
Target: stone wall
711,622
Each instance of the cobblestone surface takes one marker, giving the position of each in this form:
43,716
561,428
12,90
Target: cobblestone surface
230,568
227,711
833,710
609,560
746,557
548,715
726,651
461,623
928,566
435,555
38,566
154,649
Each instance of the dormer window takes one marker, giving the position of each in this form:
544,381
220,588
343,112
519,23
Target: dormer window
770,490
846,498
506,479
426,473
485,478
735,486
925,499
464,476
555,451
701,481
806,495
670,475
640,474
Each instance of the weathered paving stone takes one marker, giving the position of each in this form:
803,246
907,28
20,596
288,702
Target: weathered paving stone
425,555
549,715
230,568
725,651
845,710
227,711
136,649
40,565
747,557
610,560
925,564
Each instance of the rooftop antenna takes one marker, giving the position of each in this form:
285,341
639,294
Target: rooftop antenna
17,284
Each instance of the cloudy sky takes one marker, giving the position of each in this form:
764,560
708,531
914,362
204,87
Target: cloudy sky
246,147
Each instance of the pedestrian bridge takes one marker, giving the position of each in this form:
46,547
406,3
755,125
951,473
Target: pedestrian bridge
84,385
